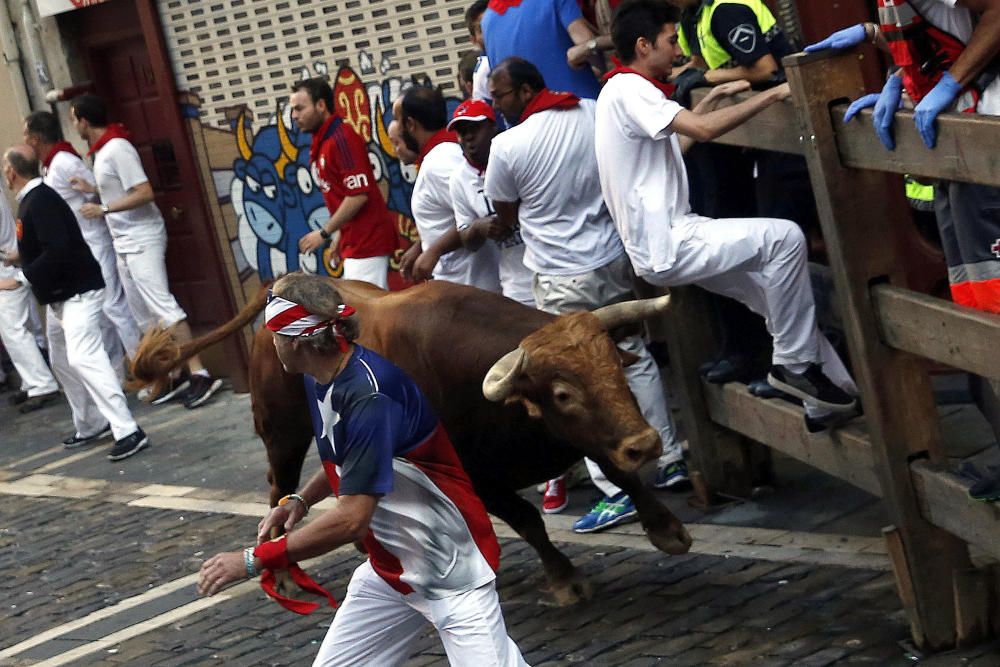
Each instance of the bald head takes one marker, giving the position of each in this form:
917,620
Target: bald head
22,160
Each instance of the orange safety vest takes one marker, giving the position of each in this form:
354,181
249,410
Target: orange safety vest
922,52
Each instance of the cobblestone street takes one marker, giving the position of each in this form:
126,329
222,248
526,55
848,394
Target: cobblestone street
101,559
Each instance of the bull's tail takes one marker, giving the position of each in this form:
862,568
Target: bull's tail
159,353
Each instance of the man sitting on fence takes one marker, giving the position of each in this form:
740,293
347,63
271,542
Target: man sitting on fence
760,262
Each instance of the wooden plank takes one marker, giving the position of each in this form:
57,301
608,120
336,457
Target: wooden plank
774,129
846,453
938,329
904,581
945,501
718,455
968,146
972,606
896,393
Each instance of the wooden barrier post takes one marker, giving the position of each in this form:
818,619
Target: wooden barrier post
858,226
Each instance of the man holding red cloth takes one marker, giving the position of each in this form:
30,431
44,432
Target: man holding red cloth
344,174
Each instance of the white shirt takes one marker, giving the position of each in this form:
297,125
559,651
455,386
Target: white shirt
64,166
117,169
959,22
471,204
480,79
641,168
548,163
434,216
8,236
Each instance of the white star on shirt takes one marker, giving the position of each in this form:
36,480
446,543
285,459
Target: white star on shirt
330,419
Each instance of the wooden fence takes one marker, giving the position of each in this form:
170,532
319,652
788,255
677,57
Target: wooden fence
894,451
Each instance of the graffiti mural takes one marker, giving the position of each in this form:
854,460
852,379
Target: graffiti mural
261,169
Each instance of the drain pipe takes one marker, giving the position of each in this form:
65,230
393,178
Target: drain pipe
12,59
34,44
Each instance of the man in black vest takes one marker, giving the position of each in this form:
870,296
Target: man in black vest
57,264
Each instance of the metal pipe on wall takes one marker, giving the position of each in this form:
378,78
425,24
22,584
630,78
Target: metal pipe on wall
12,59
34,44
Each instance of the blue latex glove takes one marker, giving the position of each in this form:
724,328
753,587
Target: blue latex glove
940,98
842,39
859,104
889,101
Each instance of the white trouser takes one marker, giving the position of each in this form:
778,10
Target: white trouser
760,262
16,334
377,625
78,356
612,283
123,328
35,324
144,278
374,270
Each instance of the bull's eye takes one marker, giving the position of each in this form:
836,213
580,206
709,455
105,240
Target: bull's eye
305,180
252,184
562,397
270,191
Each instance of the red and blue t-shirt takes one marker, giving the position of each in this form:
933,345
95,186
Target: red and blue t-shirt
341,168
377,435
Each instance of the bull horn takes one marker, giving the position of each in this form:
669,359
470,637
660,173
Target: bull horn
499,381
631,312
241,137
287,147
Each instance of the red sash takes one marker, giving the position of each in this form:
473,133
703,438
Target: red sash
666,88
274,556
113,131
548,99
440,137
59,147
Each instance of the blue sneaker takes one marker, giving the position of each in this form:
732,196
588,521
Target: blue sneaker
606,513
671,475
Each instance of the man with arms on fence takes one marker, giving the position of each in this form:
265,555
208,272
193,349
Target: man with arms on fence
760,262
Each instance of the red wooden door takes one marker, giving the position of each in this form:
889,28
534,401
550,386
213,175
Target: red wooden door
123,47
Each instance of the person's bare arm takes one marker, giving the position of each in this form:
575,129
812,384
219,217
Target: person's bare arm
983,46
507,213
423,268
346,212
710,101
581,33
137,196
708,126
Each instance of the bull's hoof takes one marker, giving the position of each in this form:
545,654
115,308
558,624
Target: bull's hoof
676,542
569,592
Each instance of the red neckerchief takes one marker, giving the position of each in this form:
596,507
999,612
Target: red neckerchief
501,6
273,556
478,167
440,137
549,99
322,134
59,147
666,88
113,131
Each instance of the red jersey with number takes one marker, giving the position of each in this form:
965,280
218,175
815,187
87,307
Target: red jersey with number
341,168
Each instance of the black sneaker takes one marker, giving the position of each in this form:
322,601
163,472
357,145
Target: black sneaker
202,388
173,389
18,397
129,445
74,441
987,489
33,403
811,385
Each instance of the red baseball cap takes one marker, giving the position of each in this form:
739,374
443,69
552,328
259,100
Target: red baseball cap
474,110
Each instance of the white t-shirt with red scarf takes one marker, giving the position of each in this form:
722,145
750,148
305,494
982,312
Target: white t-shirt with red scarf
641,169
548,163
118,169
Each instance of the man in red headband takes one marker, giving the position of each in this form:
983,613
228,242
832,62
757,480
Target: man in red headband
542,174
139,237
401,490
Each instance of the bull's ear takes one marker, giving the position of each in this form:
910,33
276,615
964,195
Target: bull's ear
628,358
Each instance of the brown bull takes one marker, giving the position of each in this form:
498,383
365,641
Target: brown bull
556,388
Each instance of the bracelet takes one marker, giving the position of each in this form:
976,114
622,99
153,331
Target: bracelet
325,234
294,496
876,31
248,562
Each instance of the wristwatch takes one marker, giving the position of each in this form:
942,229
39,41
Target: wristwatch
325,234
105,209
592,46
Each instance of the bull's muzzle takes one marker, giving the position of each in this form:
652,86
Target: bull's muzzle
636,451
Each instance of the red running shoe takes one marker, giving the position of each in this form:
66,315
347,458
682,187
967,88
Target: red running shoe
555,499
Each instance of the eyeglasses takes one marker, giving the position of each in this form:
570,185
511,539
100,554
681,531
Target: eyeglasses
500,95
